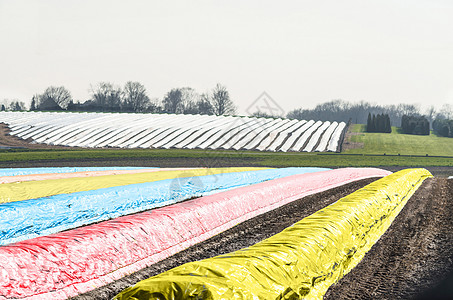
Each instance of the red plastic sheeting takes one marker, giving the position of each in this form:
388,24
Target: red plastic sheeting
79,260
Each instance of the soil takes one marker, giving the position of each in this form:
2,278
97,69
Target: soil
175,162
347,143
436,171
243,235
11,141
412,260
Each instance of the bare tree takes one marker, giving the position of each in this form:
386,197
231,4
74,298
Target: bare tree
153,106
408,109
173,101
446,112
180,101
221,101
190,99
204,105
134,97
54,98
106,96
430,115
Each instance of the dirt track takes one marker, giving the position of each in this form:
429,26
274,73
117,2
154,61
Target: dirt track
412,257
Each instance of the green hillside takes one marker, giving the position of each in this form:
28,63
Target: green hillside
396,142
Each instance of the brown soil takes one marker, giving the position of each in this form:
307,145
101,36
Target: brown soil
436,171
243,235
413,256
347,143
175,162
7,140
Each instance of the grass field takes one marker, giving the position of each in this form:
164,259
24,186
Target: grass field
396,142
211,158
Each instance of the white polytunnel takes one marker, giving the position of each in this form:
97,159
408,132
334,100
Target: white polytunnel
165,131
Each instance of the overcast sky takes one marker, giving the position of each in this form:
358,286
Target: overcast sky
300,52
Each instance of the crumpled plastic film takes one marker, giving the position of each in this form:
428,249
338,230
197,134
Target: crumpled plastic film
47,176
81,259
31,218
26,171
302,261
17,191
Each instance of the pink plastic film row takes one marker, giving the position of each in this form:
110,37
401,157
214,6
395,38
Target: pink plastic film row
76,261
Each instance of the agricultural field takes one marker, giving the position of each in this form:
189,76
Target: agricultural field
128,222
439,166
17,152
156,220
398,143
166,131
216,150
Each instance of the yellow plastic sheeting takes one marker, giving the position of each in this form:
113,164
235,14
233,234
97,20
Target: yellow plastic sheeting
18,191
302,261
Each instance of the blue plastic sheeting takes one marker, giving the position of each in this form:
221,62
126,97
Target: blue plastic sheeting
27,171
27,219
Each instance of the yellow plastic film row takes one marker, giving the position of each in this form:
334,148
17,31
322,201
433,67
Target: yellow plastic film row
17,191
302,261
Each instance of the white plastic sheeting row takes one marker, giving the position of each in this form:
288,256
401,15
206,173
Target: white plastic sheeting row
174,131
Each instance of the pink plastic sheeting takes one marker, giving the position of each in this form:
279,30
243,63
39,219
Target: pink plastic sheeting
79,260
35,177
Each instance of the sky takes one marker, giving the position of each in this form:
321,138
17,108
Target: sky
301,53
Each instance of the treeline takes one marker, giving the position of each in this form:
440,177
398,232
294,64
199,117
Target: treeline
14,105
133,97
418,125
339,110
378,123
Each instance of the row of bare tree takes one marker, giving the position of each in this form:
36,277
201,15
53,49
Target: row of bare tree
13,105
133,97
339,110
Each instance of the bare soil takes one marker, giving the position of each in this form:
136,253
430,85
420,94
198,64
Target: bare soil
243,235
414,258
11,141
347,143
436,171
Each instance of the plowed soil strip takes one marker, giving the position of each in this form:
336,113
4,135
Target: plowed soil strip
413,256
238,237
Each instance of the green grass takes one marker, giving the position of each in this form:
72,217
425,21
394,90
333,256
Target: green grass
396,142
211,158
